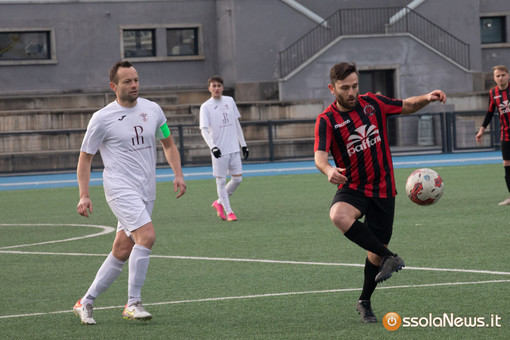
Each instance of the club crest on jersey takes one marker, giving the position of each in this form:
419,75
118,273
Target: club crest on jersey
143,116
369,110
365,137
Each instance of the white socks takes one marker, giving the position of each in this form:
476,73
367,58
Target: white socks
109,271
138,265
222,194
233,184
226,190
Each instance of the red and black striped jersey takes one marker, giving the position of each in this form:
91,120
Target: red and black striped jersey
358,142
499,103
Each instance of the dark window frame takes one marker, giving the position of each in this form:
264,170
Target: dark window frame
161,49
486,22
48,49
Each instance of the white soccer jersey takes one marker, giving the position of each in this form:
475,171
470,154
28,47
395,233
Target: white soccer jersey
126,138
220,116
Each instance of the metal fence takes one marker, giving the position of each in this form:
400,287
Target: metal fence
270,140
428,133
372,21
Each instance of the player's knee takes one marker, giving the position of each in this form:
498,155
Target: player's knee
340,220
147,239
122,251
237,179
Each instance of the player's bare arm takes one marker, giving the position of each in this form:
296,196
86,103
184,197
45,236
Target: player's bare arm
83,175
335,175
413,104
174,160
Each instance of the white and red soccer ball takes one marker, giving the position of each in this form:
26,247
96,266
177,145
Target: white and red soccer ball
424,186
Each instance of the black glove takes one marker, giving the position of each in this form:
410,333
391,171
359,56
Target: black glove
216,152
246,152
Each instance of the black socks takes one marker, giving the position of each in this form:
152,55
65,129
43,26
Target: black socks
360,234
369,284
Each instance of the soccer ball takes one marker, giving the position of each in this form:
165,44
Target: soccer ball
424,186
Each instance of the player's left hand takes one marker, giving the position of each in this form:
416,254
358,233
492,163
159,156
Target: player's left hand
179,186
246,152
437,95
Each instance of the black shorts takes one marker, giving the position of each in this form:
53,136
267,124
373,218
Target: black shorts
378,212
505,150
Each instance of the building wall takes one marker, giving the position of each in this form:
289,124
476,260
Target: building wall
496,54
241,41
418,69
88,43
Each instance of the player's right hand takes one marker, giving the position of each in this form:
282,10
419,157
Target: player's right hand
336,176
84,206
216,152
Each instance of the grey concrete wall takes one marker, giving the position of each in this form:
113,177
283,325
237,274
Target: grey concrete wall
496,54
88,43
418,69
461,18
241,40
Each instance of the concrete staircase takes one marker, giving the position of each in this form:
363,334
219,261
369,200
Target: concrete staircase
44,132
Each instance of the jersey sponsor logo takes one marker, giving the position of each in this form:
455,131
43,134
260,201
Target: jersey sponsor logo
138,139
225,118
122,118
504,107
366,137
338,126
369,110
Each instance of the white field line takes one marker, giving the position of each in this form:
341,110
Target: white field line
106,230
226,259
446,161
244,297
168,175
260,171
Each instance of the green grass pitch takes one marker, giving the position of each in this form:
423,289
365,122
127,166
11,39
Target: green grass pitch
281,272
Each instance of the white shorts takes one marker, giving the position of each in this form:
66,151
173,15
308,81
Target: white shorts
131,212
229,164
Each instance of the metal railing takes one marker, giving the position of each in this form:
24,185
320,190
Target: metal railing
273,140
372,21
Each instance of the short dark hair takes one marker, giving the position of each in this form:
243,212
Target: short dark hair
215,78
115,69
340,71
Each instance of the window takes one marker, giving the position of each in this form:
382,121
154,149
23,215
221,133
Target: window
161,42
26,46
139,43
492,30
182,41
377,81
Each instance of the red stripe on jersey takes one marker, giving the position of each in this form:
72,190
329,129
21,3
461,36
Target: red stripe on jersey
358,142
504,114
499,102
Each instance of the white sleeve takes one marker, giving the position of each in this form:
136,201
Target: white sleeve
93,136
207,137
240,135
